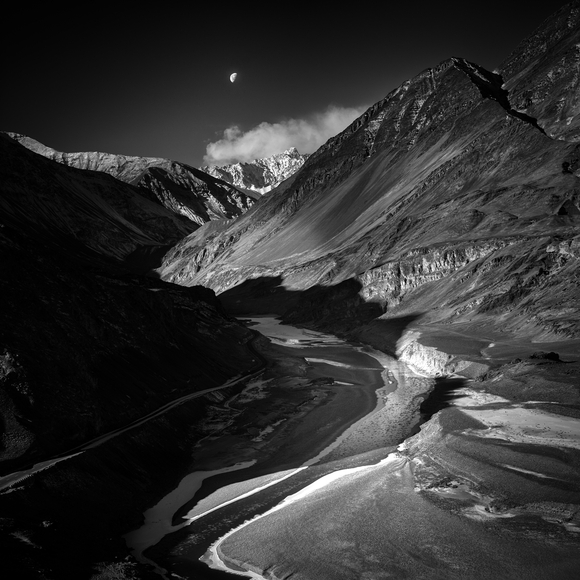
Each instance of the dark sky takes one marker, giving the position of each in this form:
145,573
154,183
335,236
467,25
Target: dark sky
153,80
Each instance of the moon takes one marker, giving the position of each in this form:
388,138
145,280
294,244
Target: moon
233,77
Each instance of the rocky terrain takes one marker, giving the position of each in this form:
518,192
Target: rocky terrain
442,226
180,188
261,175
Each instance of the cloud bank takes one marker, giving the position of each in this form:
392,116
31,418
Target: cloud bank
266,139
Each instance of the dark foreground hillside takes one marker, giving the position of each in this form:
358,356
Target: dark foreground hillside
88,347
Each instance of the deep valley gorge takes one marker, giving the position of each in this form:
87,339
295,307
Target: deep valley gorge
360,363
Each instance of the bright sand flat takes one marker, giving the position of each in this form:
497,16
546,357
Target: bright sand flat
521,425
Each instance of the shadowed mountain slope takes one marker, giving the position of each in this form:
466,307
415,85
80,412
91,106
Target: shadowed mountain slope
445,197
104,214
72,310
179,187
88,347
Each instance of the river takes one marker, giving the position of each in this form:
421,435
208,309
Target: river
330,437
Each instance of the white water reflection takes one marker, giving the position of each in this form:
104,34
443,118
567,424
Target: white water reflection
158,519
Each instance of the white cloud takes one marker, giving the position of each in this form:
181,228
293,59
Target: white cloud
266,139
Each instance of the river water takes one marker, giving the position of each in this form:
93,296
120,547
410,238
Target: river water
241,490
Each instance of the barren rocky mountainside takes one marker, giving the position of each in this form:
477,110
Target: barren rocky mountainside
261,175
442,227
181,188
456,196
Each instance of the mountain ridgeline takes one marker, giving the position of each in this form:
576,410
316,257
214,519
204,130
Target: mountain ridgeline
182,189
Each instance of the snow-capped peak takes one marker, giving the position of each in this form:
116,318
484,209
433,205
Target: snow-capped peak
261,175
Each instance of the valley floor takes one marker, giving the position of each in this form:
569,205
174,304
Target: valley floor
296,416
489,487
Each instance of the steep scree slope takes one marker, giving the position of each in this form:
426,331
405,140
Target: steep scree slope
261,175
446,197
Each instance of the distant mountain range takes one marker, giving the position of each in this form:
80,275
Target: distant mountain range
439,231
260,175
181,188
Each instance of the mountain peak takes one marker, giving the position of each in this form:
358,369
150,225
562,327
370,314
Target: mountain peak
261,175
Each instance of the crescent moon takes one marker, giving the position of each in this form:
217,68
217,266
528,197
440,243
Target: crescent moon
233,77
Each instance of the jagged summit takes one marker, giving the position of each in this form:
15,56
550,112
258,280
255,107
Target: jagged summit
261,175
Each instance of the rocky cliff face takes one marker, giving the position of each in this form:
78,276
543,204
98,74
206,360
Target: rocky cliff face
452,197
261,175
542,76
180,188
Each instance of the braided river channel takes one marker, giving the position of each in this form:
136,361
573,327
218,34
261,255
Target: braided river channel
311,428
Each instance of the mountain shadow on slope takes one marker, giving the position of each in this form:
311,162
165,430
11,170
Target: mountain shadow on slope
338,309
267,295
441,396
144,259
